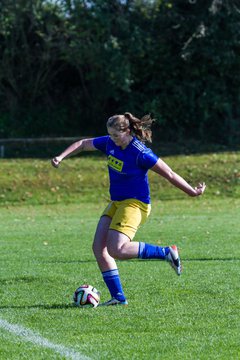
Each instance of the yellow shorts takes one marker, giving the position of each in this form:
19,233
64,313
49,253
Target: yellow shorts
127,215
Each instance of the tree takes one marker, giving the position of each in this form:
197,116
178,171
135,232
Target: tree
67,65
31,37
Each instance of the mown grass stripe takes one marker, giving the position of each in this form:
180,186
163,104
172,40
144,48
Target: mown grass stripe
34,338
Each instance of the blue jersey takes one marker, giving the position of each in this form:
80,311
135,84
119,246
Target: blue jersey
127,168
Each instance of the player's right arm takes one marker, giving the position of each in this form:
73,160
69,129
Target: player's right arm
75,148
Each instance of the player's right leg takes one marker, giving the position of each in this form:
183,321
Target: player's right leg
104,260
107,263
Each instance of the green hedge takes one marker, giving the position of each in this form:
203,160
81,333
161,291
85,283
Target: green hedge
67,66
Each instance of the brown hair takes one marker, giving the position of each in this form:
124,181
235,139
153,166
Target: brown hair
141,128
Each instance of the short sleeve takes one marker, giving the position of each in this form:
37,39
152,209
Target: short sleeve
100,143
147,159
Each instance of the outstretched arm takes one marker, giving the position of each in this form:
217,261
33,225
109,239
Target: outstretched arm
164,170
78,146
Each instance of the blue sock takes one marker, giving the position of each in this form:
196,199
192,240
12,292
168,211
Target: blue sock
147,251
113,282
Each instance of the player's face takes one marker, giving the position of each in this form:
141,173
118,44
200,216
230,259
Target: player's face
120,138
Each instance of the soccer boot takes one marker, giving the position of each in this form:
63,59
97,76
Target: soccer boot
174,259
114,301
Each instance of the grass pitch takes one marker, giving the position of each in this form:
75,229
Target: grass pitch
46,254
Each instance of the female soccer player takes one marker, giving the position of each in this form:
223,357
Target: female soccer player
128,163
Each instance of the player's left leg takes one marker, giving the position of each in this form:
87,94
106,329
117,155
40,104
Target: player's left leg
129,215
121,247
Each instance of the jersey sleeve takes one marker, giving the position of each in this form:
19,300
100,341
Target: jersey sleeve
100,143
147,159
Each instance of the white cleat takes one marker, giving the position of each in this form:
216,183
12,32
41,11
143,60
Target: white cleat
174,259
114,301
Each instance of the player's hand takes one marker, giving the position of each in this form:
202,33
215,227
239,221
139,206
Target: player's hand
56,161
199,190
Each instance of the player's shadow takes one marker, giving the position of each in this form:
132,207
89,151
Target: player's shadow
59,261
39,306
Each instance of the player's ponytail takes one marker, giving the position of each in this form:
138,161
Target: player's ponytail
141,128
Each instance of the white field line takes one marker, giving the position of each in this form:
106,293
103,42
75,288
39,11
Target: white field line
34,338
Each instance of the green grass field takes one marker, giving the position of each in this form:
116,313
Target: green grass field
48,218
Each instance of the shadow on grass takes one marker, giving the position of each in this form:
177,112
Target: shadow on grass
140,260
21,279
213,259
39,306
189,259
68,261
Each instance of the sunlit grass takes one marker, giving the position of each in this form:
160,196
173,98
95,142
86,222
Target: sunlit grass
46,254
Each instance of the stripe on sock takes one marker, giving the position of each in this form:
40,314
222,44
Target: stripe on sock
141,249
110,273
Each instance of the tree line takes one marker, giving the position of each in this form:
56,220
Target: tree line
67,65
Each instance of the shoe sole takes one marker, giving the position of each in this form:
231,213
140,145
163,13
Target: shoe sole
114,304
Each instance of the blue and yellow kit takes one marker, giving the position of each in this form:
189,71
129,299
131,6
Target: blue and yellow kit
127,168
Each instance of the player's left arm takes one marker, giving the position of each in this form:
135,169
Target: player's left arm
161,168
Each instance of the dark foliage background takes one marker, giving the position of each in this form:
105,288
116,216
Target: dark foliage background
67,65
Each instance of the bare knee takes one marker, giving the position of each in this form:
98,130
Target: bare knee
118,252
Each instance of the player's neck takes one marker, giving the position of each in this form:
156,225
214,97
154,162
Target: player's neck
127,142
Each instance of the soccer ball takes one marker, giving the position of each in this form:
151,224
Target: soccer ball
86,296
